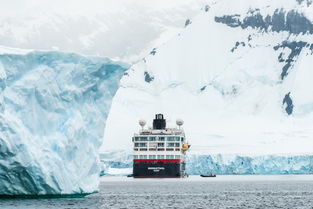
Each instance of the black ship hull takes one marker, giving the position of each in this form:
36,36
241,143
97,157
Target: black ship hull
159,169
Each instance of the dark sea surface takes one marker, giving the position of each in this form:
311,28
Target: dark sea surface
287,191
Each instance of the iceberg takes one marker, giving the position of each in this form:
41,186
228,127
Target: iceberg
53,110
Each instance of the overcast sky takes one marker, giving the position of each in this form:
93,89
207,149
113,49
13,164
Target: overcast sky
12,7
121,29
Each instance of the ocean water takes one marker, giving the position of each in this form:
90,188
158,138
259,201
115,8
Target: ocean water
233,192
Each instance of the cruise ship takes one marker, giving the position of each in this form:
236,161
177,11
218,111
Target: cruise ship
160,152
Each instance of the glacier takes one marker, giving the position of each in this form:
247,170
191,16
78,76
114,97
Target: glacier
248,165
240,75
120,163
53,110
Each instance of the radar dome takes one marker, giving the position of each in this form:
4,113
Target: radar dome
179,122
142,123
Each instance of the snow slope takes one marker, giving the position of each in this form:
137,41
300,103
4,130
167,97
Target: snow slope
53,110
112,28
239,75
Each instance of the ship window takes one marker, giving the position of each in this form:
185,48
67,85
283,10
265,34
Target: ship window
169,149
143,138
182,139
143,156
169,156
177,144
151,138
170,144
170,138
135,156
161,138
160,144
136,139
152,157
177,156
177,139
160,156
140,144
161,149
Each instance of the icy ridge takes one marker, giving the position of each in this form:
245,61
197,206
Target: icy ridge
53,110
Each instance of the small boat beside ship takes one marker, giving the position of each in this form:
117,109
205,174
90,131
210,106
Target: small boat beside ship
208,175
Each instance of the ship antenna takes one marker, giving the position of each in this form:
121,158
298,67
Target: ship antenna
179,122
142,123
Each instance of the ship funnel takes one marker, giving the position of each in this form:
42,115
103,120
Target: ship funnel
159,122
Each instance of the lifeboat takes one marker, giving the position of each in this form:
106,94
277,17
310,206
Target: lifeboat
185,147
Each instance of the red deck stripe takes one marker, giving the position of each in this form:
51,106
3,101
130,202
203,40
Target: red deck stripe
159,176
158,160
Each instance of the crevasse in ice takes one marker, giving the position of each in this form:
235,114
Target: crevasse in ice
53,109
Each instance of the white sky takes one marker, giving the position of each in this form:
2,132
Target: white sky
13,7
121,29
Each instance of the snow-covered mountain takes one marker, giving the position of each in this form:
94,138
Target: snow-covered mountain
239,74
53,110
121,29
